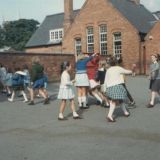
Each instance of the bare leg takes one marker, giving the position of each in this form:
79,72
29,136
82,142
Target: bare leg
111,110
126,113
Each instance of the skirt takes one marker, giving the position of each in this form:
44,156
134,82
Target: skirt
82,80
155,85
66,93
117,92
93,83
38,84
18,88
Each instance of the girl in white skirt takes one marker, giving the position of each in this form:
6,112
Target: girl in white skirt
116,92
82,81
66,91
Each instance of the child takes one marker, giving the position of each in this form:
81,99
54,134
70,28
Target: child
100,78
92,70
66,91
134,66
82,81
116,92
18,84
9,81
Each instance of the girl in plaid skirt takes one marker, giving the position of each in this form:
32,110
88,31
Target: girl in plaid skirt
115,90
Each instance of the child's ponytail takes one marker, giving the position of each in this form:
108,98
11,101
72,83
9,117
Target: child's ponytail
64,65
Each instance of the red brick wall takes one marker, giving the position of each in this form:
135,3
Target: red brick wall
50,49
51,62
99,12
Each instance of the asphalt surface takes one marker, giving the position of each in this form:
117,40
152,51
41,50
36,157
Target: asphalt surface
34,132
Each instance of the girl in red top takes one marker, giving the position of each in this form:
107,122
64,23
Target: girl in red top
92,69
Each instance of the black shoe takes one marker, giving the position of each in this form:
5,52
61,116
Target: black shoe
106,106
46,101
62,119
87,107
31,103
110,120
150,106
77,117
98,103
132,103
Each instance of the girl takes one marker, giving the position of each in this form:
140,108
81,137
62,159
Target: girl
18,84
9,81
116,92
154,79
92,72
100,78
81,78
66,91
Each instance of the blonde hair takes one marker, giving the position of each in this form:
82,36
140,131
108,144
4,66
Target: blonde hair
80,57
35,59
102,63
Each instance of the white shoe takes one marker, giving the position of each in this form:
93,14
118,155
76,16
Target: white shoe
25,101
9,99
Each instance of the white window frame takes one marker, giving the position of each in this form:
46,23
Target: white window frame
103,39
117,48
90,39
78,46
56,35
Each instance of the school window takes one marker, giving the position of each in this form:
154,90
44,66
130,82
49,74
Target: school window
103,39
117,45
56,35
90,40
78,46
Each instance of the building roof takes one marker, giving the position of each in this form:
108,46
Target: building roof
137,15
41,36
157,15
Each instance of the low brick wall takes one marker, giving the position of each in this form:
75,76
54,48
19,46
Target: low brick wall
51,62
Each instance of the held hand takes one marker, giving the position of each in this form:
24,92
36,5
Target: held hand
73,81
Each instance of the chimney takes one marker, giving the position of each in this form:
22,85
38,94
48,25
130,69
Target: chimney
68,14
136,2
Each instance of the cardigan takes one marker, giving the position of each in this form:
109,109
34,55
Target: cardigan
114,76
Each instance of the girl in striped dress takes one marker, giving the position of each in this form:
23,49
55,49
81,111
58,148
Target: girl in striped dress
116,92
66,91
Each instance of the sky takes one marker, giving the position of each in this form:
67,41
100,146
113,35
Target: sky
39,9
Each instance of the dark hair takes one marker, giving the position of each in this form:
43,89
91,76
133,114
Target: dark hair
10,70
25,66
158,57
112,61
64,65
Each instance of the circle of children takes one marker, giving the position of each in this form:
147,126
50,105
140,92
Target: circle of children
102,79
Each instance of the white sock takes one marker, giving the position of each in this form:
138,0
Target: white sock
75,114
24,95
12,96
98,97
61,115
84,101
80,101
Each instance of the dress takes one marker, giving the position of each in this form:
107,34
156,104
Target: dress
66,87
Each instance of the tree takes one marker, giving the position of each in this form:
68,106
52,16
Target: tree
17,33
2,37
